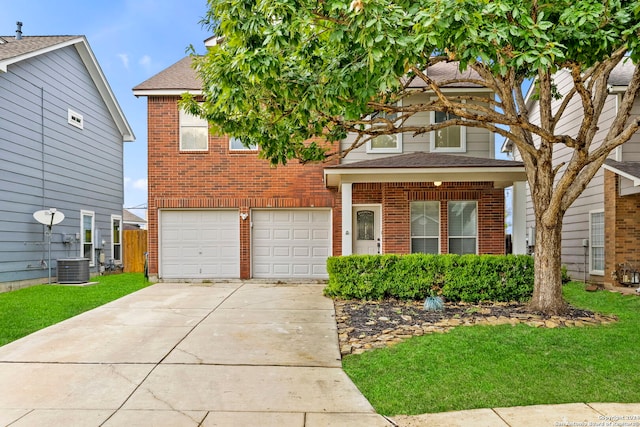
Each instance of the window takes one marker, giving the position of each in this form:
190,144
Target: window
194,132
87,224
596,251
116,238
463,227
365,222
452,139
425,227
385,143
235,144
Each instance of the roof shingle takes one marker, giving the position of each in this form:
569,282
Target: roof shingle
10,47
422,160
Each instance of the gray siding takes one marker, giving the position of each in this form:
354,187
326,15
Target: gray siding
575,226
480,142
47,162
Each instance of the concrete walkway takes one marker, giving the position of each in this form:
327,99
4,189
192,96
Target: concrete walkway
235,354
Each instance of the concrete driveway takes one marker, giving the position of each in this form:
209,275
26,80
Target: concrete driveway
232,354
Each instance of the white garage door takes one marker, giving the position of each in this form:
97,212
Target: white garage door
199,244
291,243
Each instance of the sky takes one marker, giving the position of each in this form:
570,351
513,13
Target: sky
132,40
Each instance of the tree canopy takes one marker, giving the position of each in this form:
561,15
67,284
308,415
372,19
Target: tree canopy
290,70
293,76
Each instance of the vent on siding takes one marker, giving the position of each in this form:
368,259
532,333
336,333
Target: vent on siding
75,119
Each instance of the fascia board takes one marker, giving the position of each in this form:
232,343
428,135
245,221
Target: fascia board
165,92
635,179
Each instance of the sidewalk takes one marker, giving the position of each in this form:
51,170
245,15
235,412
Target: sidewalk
237,354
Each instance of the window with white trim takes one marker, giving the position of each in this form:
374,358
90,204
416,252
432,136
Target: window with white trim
596,242
235,144
116,238
87,232
385,143
194,132
463,227
425,227
452,139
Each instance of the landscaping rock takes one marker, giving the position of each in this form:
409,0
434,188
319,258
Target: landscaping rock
367,325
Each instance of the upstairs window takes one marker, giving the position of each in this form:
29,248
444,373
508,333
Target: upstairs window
194,132
385,143
235,144
452,139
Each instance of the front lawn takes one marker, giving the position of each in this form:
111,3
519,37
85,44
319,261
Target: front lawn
502,366
27,310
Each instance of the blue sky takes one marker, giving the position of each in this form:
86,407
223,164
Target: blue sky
132,40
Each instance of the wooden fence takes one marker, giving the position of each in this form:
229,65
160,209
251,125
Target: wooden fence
135,245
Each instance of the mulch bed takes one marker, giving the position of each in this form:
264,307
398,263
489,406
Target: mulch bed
365,325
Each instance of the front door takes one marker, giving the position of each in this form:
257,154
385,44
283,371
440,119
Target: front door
366,230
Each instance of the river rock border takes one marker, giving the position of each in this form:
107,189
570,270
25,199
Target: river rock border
368,325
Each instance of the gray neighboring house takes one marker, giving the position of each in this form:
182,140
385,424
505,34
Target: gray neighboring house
61,137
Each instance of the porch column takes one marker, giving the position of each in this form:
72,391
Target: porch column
347,207
519,218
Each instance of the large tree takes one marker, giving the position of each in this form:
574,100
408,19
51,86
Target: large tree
289,73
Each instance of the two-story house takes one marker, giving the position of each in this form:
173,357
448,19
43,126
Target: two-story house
216,210
61,137
601,229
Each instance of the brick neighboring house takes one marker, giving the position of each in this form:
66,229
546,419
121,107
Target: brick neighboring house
218,211
601,230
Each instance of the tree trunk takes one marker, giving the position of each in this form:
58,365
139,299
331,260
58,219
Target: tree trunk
547,293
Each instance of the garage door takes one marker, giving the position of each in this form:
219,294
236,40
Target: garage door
199,244
291,243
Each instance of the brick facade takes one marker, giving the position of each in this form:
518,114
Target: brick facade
222,178
396,199
621,228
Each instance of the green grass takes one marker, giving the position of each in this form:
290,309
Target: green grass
501,366
27,310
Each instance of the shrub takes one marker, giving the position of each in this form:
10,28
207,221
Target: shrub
468,278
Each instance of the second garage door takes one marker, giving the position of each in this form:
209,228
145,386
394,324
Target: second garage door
199,244
291,243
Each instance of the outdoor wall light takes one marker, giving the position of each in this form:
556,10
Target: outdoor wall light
437,183
244,216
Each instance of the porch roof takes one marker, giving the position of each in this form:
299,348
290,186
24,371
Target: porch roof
427,167
629,170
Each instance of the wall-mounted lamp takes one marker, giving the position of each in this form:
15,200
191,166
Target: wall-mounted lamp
244,216
437,183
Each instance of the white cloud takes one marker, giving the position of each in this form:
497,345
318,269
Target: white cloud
145,61
140,184
127,180
125,59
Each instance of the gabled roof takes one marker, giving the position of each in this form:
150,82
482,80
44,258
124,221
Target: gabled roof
443,71
13,51
130,217
425,167
181,77
629,170
175,80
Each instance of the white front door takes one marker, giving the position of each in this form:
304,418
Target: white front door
366,230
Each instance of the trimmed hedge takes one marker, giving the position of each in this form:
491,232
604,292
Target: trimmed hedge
468,278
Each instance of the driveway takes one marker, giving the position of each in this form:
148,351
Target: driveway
224,354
